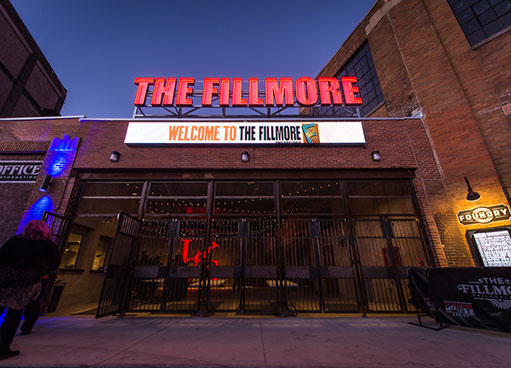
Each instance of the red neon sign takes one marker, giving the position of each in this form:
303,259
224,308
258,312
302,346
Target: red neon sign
308,91
199,256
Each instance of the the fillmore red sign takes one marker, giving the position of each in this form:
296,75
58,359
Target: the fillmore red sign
229,92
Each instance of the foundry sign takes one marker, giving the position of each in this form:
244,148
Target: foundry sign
227,92
245,133
484,215
19,171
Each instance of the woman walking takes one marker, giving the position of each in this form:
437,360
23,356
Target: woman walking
24,260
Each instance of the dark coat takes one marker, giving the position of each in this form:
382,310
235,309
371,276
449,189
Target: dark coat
24,261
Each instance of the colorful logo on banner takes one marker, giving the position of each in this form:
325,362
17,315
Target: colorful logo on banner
484,215
496,290
459,309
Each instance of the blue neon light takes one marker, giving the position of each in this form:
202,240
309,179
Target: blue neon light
35,212
61,155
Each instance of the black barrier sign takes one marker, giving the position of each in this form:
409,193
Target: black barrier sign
19,171
474,297
484,215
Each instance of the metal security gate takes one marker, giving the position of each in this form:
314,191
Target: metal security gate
387,247
118,271
261,266
319,266
60,227
232,269
168,272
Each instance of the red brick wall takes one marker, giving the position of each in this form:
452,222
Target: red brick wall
423,60
402,143
21,136
485,78
105,136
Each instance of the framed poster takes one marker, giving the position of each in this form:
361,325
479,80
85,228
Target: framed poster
491,247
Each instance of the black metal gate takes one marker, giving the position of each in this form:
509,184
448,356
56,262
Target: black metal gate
319,266
387,247
118,270
261,266
168,272
60,227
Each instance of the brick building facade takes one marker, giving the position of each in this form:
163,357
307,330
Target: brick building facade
28,84
412,160
336,226
431,67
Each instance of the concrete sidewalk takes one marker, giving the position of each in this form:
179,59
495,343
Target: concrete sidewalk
82,341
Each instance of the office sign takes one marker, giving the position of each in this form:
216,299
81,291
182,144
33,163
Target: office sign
227,92
19,171
484,215
245,133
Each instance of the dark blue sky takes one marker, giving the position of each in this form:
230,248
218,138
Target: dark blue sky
97,47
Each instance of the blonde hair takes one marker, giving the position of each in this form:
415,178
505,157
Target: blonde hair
37,230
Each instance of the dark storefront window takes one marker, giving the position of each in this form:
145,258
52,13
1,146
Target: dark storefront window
302,198
380,198
108,198
480,19
177,198
71,251
244,198
101,249
311,197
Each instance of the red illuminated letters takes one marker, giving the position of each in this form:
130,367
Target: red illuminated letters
184,91
163,90
225,90
237,84
349,90
253,93
274,90
306,90
143,84
329,91
208,90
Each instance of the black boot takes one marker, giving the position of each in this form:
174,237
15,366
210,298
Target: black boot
8,353
7,331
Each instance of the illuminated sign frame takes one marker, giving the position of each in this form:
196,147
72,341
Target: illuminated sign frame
491,247
178,92
244,133
483,215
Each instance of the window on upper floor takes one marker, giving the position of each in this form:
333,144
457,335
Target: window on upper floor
361,65
481,19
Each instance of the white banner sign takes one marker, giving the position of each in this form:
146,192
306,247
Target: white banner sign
331,132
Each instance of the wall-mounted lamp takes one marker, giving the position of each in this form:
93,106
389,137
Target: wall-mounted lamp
375,155
471,196
45,183
244,156
114,156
